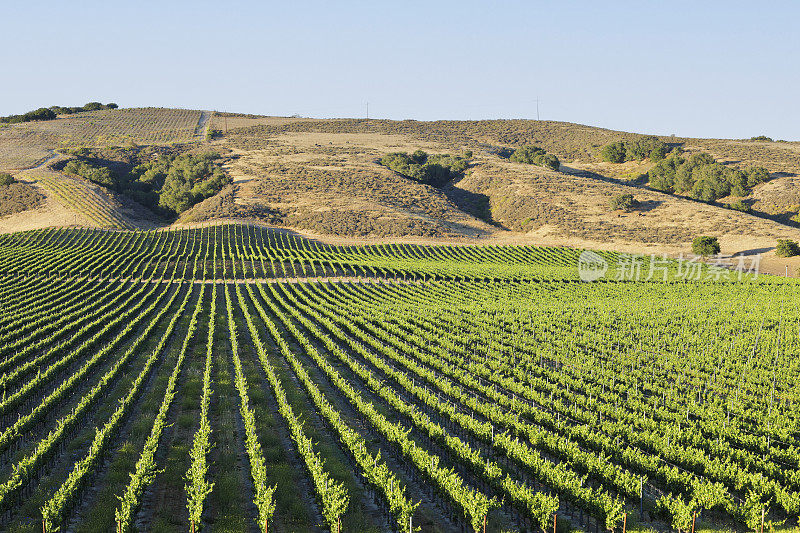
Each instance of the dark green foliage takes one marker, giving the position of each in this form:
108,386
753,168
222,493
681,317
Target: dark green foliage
705,246
533,155
702,178
756,175
642,148
711,182
614,152
419,157
40,114
180,181
170,184
100,175
658,153
526,154
45,113
6,179
624,202
787,248
740,205
761,138
662,175
433,169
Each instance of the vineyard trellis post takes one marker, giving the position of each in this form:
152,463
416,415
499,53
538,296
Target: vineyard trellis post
641,498
625,522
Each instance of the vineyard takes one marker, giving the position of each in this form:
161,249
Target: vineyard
25,145
235,378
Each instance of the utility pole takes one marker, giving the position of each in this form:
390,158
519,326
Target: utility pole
367,110
537,108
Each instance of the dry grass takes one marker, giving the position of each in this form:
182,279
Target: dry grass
24,145
320,177
19,197
332,184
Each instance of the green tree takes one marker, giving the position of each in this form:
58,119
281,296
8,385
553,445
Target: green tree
533,155
614,152
526,154
624,202
787,248
705,246
757,175
6,179
420,157
662,175
740,205
658,153
643,147
548,161
435,170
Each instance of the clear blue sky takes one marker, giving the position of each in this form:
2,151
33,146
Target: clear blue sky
711,69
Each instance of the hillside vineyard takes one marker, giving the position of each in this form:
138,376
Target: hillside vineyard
234,378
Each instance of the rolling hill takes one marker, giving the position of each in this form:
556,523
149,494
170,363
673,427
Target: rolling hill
323,178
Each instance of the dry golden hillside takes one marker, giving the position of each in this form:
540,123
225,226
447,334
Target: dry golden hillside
322,177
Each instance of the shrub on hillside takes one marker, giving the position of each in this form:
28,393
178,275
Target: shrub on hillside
170,184
100,175
179,181
526,154
740,205
702,178
614,152
705,246
6,179
787,248
39,114
648,146
533,155
432,169
624,202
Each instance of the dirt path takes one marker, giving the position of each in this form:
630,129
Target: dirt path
202,124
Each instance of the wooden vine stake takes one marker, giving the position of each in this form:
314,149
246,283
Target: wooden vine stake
694,517
484,523
625,522
555,515
763,511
